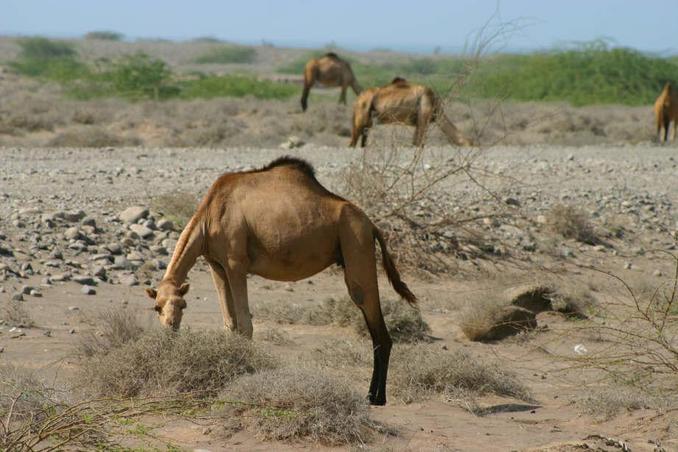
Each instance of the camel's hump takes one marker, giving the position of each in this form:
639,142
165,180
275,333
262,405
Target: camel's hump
297,163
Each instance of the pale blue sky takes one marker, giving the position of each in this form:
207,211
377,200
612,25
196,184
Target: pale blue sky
417,25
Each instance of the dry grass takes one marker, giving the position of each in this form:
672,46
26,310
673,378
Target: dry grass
605,404
422,371
404,322
575,301
492,317
115,328
288,404
91,136
571,223
13,313
164,362
177,207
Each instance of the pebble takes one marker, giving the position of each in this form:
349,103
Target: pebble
88,290
133,214
84,280
142,231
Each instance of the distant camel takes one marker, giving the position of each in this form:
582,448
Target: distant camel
665,111
280,223
401,102
328,70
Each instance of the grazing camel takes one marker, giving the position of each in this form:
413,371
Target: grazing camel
328,70
280,223
665,111
401,102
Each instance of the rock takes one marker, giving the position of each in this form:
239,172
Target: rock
89,221
541,219
73,233
88,290
73,308
141,230
99,271
292,142
26,290
18,296
657,273
114,248
129,280
628,266
511,201
35,293
535,298
61,278
72,216
84,280
121,263
133,214
6,251
165,225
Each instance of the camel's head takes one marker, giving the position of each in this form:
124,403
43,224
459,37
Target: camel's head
169,303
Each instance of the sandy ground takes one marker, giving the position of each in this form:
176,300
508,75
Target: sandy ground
102,182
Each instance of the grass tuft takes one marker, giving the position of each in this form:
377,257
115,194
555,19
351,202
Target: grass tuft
289,404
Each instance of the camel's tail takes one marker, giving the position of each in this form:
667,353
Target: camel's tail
392,272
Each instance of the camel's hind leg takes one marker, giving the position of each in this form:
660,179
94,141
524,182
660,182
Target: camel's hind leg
667,124
225,296
342,96
360,273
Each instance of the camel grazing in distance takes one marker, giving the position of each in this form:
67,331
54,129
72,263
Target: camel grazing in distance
665,111
280,223
328,70
401,102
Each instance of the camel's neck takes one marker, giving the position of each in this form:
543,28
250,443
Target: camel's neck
190,245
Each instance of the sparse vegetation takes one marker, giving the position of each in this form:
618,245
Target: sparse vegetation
90,136
164,362
422,371
404,322
571,223
177,207
115,328
290,404
209,87
228,54
606,403
54,60
13,313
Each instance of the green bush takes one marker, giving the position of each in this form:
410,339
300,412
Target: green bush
41,57
236,86
141,76
227,54
104,35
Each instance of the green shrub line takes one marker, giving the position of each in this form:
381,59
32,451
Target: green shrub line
586,74
136,76
227,54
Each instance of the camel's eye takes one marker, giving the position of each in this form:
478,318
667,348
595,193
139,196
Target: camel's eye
158,309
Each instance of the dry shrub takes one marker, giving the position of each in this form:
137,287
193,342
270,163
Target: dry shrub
13,313
276,337
491,316
571,223
90,137
423,370
178,207
574,301
343,353
404,322
166,362
605,404
288,404
23,394
115,328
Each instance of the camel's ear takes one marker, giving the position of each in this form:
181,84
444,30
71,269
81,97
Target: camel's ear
152,293
184,289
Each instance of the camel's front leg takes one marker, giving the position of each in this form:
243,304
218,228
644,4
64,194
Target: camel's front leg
225,296
237,280
342,96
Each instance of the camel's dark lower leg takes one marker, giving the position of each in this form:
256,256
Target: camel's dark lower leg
304,96
381,343
667,124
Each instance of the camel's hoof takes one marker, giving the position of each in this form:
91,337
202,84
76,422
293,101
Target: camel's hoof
375,401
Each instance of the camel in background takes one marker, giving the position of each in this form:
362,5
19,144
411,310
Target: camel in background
328,70
401,102
280,223
665,111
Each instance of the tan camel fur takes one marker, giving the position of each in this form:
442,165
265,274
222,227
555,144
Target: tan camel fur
280,223
328,70
401,102
666,111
